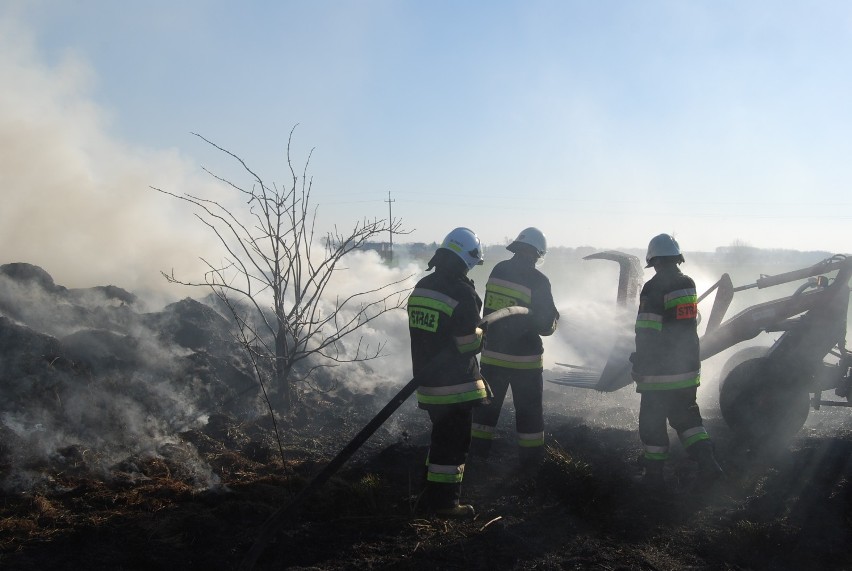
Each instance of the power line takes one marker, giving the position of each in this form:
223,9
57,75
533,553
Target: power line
390,224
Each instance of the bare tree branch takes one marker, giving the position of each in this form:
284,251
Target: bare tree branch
273,280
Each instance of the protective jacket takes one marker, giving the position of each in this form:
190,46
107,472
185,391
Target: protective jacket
512,356
443,313
515,342
667,349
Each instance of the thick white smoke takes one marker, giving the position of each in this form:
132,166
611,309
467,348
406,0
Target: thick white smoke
76,200
585,295
361,272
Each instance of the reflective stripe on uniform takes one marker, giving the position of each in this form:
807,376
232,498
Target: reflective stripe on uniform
656,452
503,293
681,296
425,307
482,431
512,361
649,321
667,382
433,299
693,435
530,439
445,473
452,394
469,343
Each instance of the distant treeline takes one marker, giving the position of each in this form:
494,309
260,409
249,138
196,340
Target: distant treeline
734,254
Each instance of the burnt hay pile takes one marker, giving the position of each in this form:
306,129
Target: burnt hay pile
134,440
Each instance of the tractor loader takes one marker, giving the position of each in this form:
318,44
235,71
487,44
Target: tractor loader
765,393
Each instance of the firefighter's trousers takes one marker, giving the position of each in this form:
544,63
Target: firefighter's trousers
448,448
527,387
677,407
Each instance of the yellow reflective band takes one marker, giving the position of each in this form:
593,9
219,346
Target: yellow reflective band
524,292
444,478
531,440
483,431
656,452
526,362
482,427
690,437
452,399
451,389
508,289
452,394
666,382
649,321
652,325
445,474
420,301
495,301
680,296
469,343
481,435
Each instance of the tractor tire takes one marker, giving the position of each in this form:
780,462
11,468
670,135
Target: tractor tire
741,356
762,411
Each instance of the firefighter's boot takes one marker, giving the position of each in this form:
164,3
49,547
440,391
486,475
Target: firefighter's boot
653,478
709,470
442,500
457,511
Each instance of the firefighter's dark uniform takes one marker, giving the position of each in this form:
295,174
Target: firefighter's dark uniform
667,366
443,314
513,352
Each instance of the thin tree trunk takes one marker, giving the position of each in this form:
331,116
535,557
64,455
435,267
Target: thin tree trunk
282,373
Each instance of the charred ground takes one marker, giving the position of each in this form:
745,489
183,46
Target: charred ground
582,509
193,491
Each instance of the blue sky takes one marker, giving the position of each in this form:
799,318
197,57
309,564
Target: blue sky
601,122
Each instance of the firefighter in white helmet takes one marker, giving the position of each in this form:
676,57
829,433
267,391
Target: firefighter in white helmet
667,366
513,352
443,317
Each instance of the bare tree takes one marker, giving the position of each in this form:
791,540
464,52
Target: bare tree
274,276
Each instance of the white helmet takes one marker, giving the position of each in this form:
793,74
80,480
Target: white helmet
466,245
660,246
531,237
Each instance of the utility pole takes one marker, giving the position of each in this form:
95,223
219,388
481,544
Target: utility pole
390,224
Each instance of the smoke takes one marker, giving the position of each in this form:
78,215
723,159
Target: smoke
77,202
362,272
585,293
86,384
76,199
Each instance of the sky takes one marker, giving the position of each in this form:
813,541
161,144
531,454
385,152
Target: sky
603,123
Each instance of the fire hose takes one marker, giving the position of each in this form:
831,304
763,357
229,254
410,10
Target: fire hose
281,515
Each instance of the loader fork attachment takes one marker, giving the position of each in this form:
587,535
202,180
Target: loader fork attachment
616,371
629,274
724,296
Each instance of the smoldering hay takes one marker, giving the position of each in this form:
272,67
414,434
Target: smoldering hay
93,373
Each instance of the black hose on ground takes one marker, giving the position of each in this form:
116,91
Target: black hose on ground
281,515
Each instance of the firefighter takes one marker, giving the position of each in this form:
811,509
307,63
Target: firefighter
512,355
667,367
443,317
